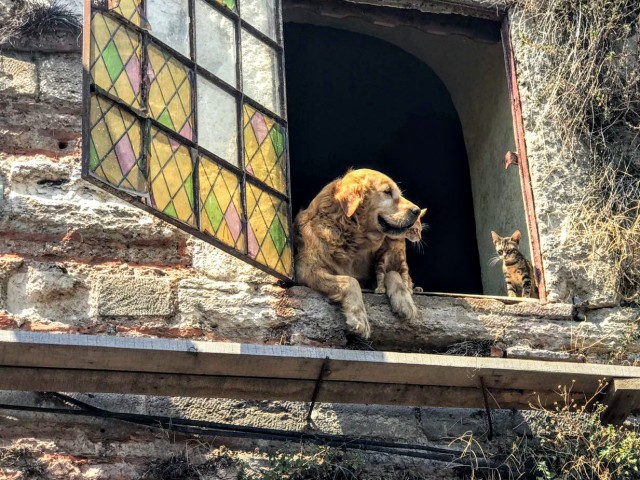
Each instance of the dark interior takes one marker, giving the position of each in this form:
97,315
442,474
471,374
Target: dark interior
357,101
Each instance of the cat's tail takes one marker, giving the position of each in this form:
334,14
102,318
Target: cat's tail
400,297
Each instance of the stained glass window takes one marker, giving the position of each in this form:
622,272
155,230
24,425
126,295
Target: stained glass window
185,117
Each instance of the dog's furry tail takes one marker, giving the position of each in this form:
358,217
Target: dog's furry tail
400,297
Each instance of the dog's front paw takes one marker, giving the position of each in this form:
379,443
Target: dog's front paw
400,298
358,322
418,289
404,306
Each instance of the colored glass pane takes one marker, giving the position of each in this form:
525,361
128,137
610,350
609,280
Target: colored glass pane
114,146
217,121
169,92
215,42
132,10
261,14
169,23
268,230
260,78
171,177
115,59
264,148
220,204
230,4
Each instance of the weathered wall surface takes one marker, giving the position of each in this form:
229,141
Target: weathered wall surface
74,259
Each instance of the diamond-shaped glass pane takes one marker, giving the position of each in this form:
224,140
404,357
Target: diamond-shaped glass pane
261,14
230,4
132,10
220,204
171,174
114,146
115,59
169,92
215,42
260,67
268,230
169,23
264,148
217,121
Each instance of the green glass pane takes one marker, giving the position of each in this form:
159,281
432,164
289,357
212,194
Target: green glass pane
277,234
278,140
171,210
188,185
213,211
112,61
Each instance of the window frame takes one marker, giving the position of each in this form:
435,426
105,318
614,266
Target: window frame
241,99
195,150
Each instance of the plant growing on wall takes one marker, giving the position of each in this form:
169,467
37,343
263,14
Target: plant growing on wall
588,79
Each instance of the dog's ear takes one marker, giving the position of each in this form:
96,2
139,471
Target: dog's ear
516,236
495,236
349,195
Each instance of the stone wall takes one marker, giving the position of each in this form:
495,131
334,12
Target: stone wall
74,259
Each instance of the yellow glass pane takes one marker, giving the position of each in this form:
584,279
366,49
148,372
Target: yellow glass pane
129,9
171,174
116,59
220,204
268,229
170,92
115,146
264,148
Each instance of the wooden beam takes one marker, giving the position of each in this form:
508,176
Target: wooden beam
42,361
252,388
622,398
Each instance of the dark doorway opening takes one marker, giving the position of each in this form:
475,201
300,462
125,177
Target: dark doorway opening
357,101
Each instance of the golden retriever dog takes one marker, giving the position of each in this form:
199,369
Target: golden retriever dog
338,235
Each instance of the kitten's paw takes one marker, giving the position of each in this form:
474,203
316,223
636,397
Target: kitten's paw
418,289
380,290
358,322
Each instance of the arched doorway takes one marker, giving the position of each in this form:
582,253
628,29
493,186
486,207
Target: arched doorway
358,101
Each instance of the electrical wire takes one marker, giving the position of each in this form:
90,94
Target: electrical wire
207,428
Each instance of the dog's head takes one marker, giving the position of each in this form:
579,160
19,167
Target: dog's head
376,202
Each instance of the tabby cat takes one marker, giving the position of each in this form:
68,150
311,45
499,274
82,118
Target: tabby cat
518,271
392,256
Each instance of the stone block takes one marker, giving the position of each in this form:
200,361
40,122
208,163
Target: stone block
118,295
18,75
61,78
48,291
219,265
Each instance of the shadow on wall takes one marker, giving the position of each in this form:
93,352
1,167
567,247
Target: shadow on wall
357,101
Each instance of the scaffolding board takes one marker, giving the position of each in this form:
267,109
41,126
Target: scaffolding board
31,361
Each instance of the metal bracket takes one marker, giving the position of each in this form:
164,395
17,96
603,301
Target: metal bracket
510,158
324,370
486,408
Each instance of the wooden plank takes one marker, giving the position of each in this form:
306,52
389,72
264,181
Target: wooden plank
622,398
29,349
249,388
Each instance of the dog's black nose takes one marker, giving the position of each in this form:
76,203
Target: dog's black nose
416,211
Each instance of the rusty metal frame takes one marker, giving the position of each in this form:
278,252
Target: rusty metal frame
525,177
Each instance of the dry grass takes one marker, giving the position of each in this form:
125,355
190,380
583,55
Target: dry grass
591,93
33,18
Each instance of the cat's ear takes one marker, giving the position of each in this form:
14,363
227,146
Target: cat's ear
516,236
349,195
495,236
422,212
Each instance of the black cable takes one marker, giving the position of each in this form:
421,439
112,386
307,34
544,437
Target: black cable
200,427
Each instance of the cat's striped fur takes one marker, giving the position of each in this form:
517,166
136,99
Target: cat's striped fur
519,274
392,256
